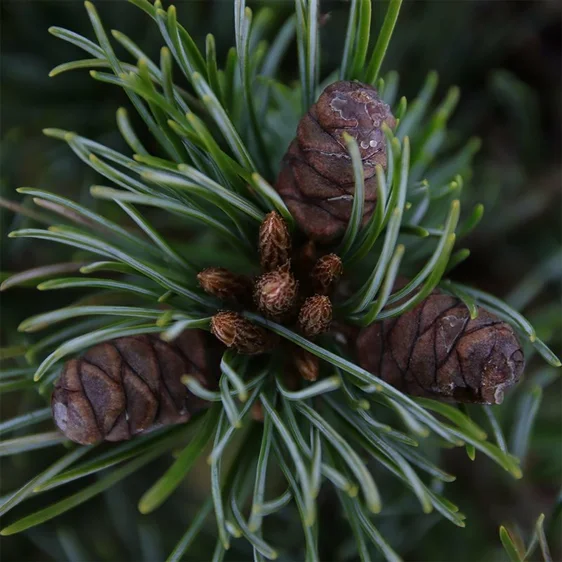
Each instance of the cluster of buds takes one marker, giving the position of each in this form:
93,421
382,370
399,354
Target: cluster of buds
297,298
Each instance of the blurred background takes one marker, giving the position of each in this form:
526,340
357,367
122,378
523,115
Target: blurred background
506,56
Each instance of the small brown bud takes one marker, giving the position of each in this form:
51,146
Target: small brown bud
225,285
315,315
127,385
275,293
237,332
437,350
274,242
256,411
325,273
323,19
224,326
307,364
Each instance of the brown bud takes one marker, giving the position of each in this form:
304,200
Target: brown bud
237,332
125,386
323,19
274,242
437,350
307,364
325,273
315,316
316,180
256,411
225,285
275,293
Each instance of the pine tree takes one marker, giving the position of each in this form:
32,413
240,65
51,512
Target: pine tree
279,447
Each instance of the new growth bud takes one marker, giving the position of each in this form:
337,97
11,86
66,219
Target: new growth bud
275,293
325,273
274,242
315,316
237,332
307,365
225,285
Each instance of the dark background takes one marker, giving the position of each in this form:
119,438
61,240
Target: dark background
507,59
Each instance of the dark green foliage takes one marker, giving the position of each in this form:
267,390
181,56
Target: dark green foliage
199,161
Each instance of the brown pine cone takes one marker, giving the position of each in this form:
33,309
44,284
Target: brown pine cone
316,180
125,386
437,351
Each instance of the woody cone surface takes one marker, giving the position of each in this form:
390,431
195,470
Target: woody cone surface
437,350
316,179
125,386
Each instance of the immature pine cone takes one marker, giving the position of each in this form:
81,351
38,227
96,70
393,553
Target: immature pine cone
316,180
237,332
225,285
125,386
315,316
276,292
437,351
274,242
307,364
325,273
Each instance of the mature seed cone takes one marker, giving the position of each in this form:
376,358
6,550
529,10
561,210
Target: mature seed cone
274,242
225,285
315,316
325,273
237,332
436,350
307,364
316,180
275,293
125,386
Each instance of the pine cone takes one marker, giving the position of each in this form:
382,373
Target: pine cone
274,242
316,179
276,292
237,332
125,386
315,316
437,351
